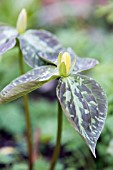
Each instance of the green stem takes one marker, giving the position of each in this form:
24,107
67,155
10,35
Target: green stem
58,141
27,115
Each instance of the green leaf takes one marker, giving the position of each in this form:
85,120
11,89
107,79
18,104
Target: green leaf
84,104
28,82
7,38
38,46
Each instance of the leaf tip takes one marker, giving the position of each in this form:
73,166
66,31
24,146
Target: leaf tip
93,150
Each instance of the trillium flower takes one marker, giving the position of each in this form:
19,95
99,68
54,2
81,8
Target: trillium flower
82,99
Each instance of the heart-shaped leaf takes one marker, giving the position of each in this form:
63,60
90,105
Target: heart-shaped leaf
38,46
82,64
28,82
84,104
7,38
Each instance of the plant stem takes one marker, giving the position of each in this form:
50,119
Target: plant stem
27,115
58,141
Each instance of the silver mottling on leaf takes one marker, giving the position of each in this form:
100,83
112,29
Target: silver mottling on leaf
84,104
38,46
28,82
7,38
82,64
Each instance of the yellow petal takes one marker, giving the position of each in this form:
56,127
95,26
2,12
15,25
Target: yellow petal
67,60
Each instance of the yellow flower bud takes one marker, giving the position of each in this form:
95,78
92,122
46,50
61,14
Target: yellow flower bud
67,60
22,21
64,64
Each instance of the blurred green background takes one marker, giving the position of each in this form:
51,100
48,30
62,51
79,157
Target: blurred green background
87,27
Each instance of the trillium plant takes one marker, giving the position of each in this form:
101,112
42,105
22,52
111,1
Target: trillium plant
81,98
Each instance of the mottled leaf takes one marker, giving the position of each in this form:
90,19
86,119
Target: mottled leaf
7,38
38,46
82,64
84,104
28,82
